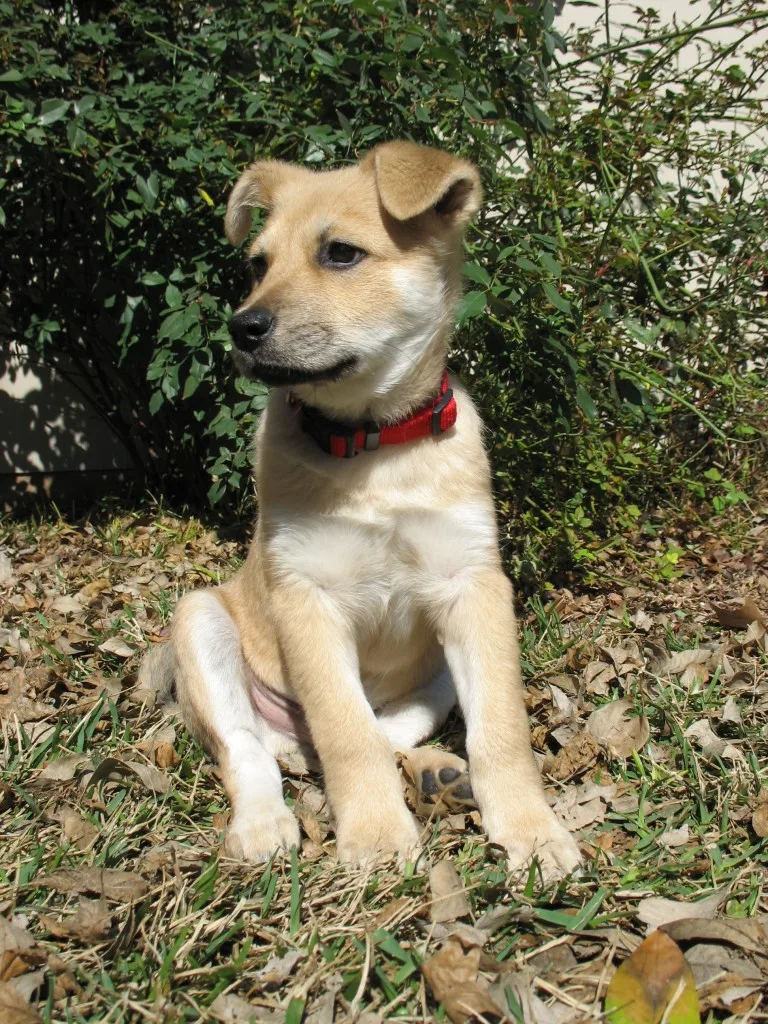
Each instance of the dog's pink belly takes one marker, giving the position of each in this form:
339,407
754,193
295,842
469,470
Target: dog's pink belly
278,711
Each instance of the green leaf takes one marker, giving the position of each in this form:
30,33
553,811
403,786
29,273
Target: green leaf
585,403
148,189
477,274
53,110
323,57
152,278
85,103
11,76
556,298
471,305
550,264
156,401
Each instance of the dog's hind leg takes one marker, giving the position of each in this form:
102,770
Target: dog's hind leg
412,720
212,690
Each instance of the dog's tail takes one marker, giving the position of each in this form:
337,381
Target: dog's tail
156,673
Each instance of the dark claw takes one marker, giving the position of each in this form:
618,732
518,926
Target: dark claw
448,775
428,782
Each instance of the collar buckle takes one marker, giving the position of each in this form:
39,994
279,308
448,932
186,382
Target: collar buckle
372,436
446,399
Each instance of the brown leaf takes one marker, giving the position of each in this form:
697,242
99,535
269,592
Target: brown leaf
760,814
710,743
739,616
620,734
121,886
452,975
654,984
62,769
91,923
153,778
19,952
166,756
656,911
16,702
14,1008
76,829
747,934
6,569
117,646
574,757
678,662
310,822
449,901
278,968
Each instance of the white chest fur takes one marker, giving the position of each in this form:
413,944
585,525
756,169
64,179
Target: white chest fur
379,569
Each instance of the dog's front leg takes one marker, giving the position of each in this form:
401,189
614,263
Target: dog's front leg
361,778
480,638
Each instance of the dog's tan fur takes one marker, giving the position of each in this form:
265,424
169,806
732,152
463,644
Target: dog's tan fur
373,585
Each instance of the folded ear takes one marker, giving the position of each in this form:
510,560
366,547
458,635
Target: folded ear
412,179
258,186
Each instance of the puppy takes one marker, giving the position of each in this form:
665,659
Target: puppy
373,595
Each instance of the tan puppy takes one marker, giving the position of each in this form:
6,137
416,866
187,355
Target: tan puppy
373,594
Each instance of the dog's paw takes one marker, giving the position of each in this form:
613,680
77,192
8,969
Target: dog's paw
539,834
376,838
439,775
255,837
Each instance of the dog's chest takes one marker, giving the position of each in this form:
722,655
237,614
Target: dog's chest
384,567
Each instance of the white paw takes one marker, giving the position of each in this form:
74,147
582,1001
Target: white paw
539,835
255,837
374,839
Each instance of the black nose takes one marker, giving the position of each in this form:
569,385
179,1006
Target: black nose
250,328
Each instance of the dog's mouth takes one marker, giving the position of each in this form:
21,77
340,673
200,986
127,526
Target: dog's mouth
275,375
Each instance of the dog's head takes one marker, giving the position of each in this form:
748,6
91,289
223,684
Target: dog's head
356,271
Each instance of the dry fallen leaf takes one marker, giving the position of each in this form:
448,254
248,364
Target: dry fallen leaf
745,933
674,837
19,952
710,743
739,616
760,814
6,570
449,901
231,1009
62,769
117,646
656,911
14,1008
452,975
121,886
91,923
731,712
654,984
76,829
278,968
573,758
16,702
612,727
678,662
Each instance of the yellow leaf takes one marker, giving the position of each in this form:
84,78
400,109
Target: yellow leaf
654,984
205,196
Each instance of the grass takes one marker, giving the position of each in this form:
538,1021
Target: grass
197,937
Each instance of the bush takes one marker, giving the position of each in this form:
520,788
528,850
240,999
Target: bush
612,324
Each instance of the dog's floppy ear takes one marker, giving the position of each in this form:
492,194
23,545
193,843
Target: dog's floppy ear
256,186
412,179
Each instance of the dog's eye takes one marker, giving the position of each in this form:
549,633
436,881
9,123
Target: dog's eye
258,268
341,254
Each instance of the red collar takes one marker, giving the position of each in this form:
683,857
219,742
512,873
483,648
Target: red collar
345,441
